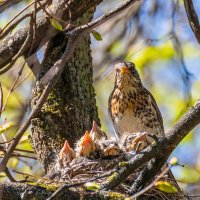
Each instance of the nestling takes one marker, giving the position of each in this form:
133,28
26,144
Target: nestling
135,142
66,155
109,148
97,134
86,147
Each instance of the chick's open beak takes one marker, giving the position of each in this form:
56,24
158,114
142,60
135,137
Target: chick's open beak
86,138
66,146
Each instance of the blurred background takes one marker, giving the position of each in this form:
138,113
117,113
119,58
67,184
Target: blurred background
157,37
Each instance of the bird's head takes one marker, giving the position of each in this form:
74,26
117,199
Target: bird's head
86,139
126,73
65,149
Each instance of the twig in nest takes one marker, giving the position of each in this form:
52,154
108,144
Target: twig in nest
67,186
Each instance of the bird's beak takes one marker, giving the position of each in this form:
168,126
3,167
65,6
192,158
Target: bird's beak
66,146
86,138
121,68
94,126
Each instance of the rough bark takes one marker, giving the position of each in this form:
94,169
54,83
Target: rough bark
71,107
20,191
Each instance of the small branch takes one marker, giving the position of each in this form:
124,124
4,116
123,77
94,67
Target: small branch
34,176
67,186
1,99
1,31
26,76
12,88
8,174
22,49
6,142
162,149
150,185
23,150
192,18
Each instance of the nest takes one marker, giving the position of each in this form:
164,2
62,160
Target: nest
82,170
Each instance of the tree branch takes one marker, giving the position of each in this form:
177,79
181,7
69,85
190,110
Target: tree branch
6,4
20,191
192,18
161,150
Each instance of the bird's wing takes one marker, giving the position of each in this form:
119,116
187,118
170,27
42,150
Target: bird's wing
155,106
117,134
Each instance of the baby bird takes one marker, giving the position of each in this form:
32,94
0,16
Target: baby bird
86,147
66,155
97,134
109,148
135,142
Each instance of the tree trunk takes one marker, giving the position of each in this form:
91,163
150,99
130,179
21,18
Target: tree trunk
71,107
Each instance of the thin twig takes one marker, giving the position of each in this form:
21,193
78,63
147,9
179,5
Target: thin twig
12,88
26,76
150,185
23,150
2,30
13,25
1,99
66,186
53,16
34,176
6,142
8,174
192,18
22,49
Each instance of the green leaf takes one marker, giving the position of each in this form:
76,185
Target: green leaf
14,162
96,35
189,175
165,187
92,186
2,175
56,24
6,126
174,161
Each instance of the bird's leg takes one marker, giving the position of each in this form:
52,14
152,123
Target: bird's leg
139,144
138,141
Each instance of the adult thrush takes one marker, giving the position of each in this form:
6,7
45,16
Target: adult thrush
132,107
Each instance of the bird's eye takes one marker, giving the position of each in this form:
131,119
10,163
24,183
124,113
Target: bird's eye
129,65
